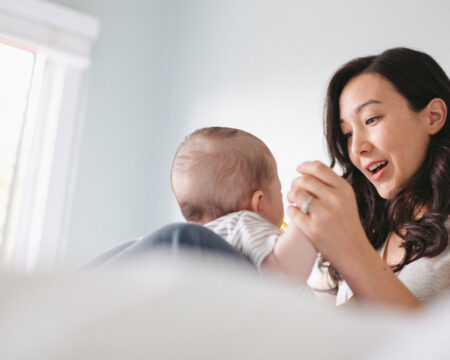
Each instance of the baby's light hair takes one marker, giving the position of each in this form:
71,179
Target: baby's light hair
216,170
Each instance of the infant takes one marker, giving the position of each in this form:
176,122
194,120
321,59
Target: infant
227,180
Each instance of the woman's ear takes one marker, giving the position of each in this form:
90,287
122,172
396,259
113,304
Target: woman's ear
436,115
256,201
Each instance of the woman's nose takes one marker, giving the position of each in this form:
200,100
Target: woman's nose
360,143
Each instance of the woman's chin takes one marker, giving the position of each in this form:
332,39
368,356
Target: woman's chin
385,192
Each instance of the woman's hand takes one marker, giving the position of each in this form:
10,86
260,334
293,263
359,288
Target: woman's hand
333,226
332,223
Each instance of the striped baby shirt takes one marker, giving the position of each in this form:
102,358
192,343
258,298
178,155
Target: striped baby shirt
250,233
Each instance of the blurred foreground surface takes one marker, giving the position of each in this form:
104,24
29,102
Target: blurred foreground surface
192,309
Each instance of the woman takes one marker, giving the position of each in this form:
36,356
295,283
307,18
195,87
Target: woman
386,126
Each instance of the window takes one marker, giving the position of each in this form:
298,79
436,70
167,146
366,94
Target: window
15,71
44,58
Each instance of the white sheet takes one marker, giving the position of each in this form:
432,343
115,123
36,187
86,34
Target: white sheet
193,310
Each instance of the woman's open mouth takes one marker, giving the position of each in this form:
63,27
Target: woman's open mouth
377,169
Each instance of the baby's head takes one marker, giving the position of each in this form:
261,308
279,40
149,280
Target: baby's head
218,170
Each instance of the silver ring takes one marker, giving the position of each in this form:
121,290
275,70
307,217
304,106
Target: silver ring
305,205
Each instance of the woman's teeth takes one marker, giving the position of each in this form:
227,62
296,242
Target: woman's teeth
374,168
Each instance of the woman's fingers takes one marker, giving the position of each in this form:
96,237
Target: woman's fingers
304,185
306,222
320,171
301,200
297,217
297,196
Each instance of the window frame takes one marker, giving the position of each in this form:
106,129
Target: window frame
37,225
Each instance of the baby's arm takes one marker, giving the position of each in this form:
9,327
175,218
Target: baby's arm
292,255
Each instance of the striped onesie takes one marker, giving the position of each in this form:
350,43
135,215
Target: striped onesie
250,233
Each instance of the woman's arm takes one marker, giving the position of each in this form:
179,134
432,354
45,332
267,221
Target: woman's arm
323,290
375,281
333,226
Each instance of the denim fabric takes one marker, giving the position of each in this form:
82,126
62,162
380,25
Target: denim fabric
175,237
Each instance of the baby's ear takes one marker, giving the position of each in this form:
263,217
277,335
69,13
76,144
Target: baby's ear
256,201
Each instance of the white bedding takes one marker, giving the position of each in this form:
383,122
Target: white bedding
193,310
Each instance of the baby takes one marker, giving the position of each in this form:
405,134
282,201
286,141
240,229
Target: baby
226,179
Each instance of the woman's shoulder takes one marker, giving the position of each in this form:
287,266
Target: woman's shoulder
428,277
438,261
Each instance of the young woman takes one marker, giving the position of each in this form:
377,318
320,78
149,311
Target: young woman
383,227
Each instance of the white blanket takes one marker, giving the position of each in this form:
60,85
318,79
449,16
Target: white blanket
193,310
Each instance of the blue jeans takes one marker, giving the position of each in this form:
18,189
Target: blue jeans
175,237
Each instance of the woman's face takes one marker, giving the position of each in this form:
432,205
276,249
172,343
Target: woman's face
387,141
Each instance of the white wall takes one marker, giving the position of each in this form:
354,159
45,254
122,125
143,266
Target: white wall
162,68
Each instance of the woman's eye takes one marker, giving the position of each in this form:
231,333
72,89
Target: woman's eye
348,135
372,120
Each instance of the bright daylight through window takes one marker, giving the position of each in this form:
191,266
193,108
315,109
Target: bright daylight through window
45,53
15,73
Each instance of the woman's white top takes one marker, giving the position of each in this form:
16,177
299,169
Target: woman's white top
427,278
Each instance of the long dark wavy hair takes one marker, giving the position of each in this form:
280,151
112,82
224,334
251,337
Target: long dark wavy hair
419,79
